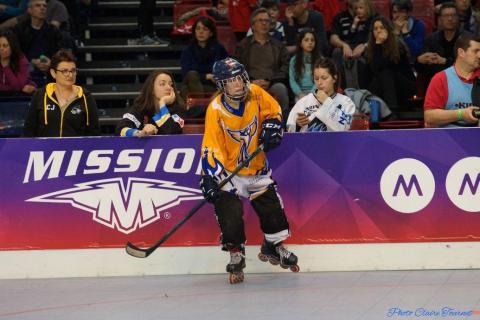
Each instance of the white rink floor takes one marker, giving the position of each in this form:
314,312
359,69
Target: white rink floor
327,295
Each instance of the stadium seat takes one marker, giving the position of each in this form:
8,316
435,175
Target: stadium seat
360,122
194,128
227,38
425,10
383,7
400,124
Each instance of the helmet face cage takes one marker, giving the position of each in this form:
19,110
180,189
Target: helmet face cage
222,86
230,70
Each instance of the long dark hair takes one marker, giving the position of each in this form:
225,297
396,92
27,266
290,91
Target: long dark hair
16,52
207,22
299,65
391,47
327,63
146,101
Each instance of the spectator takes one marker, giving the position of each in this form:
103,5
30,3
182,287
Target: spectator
265,58
465,17
62,109
392,77
155,110
198,58
476,15
349,37
297,16
239,12
276,27
14,69
448,102
438,53
56,15
39,40
409,29
12,8
324,109
301,72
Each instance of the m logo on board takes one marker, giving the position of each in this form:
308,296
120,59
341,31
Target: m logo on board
407,185
125,208
463,184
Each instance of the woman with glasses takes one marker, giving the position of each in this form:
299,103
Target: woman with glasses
155,111
61,108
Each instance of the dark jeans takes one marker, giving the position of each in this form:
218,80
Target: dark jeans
145,17
393,87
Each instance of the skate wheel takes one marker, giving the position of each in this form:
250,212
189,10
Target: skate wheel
295,268
284,266
235,278
262,257
275,262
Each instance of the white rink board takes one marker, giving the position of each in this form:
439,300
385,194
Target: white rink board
209,260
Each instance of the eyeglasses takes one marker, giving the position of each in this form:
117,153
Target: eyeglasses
66,72
449,15
267,21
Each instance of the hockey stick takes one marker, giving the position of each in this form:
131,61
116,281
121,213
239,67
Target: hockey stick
143,253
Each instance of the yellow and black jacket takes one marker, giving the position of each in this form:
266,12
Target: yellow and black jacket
46,119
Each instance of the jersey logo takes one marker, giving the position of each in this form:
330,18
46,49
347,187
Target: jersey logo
244,136
126,209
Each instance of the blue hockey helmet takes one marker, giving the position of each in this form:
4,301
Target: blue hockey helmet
229,70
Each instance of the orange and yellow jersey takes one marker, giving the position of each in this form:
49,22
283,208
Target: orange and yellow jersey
231,135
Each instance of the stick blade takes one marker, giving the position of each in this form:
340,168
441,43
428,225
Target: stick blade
136,252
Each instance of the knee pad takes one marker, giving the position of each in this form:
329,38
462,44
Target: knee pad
269,208
229,212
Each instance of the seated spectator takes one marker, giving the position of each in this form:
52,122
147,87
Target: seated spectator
448,102
298,16
465,17
349,37
14,69
61,108
408,28
239,13
12,8
438,53
276,27
300,72
265,58
155,110
392,78
198,58
324,109
56,15
39,40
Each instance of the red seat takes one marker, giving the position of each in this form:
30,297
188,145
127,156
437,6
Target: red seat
425,10
194,128
400,124
360,122
227,38
198,99
383,7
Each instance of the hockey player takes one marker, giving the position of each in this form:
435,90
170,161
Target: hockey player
240,118
324,109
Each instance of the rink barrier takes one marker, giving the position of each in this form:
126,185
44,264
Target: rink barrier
365,200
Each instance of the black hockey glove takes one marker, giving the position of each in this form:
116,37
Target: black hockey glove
210,189
272,133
